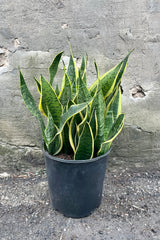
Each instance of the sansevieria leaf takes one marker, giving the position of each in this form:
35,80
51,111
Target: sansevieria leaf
81,121
80,125
73,110
49,99
86,139
107,81
74,122
53,68
122,70
66,143
82,70
50,130
94,123
115,106
38,85
113,133
83,94
99,105
72,72
109,120
56,144
66,92
30,103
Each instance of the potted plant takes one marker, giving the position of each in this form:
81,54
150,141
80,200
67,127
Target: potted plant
81,125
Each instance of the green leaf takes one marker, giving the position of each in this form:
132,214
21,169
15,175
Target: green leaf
30,103
53,68
66,92
72,73
99,105
75,121
38,85
115,130
109,120
49,99
111,79
122,70
97,71
73,110
51,129
94,123
56,144
109,99
82,123
85,148
83,92
108,81
115,106
82,70
66,143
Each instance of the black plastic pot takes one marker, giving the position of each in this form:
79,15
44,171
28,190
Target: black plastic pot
75,186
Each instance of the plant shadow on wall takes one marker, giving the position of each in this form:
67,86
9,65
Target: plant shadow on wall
81,122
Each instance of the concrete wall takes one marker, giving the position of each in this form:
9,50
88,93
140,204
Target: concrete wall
33,31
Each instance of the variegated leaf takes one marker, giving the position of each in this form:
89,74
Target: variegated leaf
50,100
53,68
85,148
30,103
65,94
115,130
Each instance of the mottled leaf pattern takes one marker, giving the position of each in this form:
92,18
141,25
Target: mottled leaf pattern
81,121
49,99
113,133
30,103
66,93
86,139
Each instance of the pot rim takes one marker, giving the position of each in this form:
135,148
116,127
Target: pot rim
73,161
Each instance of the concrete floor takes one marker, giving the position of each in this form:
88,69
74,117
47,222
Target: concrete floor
130,209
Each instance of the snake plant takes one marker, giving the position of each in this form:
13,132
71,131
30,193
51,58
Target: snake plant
81,121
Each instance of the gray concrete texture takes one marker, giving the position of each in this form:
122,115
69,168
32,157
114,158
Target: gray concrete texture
33,32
